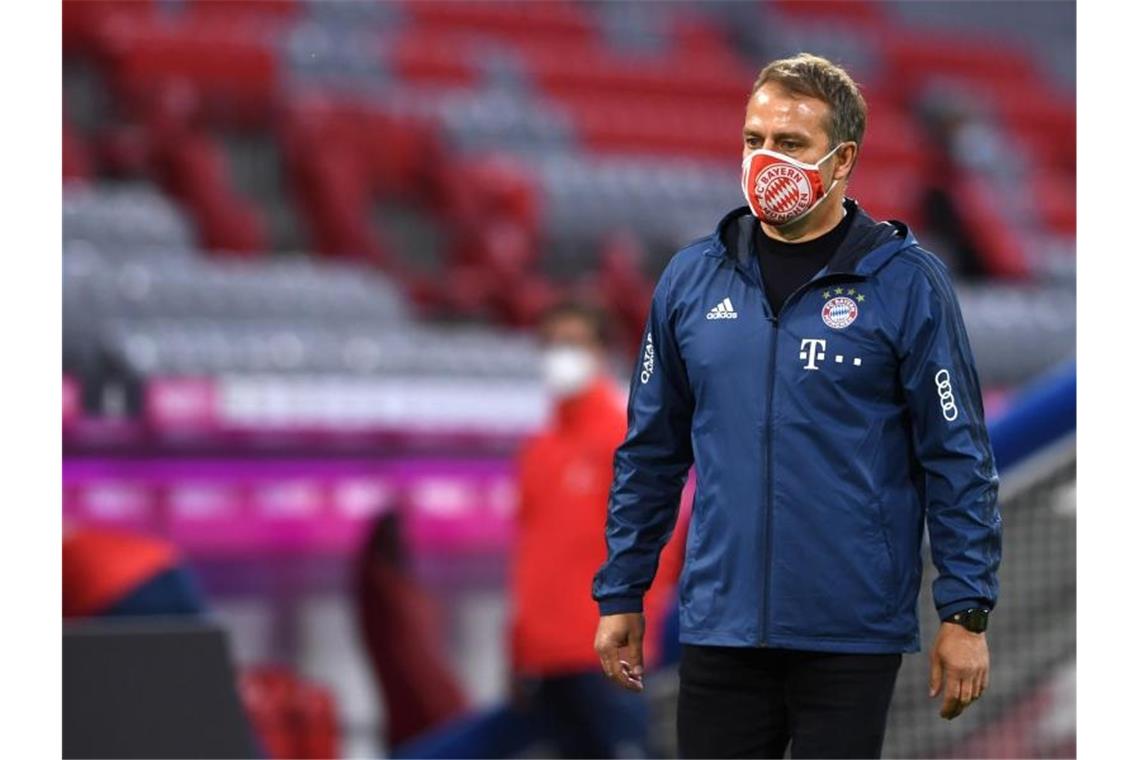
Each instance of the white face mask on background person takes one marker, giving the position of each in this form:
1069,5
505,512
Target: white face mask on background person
567,369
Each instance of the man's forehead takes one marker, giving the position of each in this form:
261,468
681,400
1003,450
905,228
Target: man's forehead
566,324
773,105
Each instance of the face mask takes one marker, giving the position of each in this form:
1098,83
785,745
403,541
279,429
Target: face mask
779,189
567,370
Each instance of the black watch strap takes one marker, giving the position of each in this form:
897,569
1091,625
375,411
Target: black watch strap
974,619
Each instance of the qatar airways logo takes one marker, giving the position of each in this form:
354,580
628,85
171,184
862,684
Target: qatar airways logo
648,360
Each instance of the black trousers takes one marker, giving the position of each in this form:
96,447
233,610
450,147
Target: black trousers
751,701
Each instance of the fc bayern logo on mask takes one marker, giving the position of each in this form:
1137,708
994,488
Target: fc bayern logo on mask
784,191
839,312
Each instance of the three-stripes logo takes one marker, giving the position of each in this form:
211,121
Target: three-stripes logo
722,310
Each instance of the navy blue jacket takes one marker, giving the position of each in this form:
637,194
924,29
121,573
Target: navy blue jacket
825,438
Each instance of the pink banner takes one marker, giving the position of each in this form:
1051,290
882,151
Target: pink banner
230,507
181,403
72,401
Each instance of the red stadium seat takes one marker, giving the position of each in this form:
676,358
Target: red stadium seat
228,61
194,169
887,192
292,717
622,285
84,22
267,11
1056,197
76,156
554,20
1001,248
845,11
926,54
521,302
894,137
433,59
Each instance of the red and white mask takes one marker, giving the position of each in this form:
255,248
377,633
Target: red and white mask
779,189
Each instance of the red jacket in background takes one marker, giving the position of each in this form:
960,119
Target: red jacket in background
565,473
101,566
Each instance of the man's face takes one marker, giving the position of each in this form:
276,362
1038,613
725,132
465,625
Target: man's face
572,354
793,125
570,331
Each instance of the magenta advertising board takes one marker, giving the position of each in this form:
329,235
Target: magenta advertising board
235,506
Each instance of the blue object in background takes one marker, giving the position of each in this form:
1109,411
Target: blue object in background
578,714
499,732
174,591
1044,413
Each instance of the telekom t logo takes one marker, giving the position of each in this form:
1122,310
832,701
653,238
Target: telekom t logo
812,349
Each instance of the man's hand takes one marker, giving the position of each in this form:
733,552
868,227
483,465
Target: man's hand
963,658
618,644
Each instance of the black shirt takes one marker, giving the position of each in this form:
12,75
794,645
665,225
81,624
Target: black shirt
787,266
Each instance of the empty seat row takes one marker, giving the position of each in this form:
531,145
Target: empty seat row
204,347
411,403
1018,332
123,215
96,288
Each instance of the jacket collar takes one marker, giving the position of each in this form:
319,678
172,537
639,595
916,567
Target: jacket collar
867,245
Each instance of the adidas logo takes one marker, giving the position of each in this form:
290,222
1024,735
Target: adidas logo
722,310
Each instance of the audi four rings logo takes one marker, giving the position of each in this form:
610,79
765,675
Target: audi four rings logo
946,394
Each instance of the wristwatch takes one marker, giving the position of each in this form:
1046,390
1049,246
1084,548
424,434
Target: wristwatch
973,619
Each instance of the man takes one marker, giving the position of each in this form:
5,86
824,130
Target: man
564,476
812,362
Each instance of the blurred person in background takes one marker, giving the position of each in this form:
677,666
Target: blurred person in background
401,627
813,363
957,137
119,573
564,476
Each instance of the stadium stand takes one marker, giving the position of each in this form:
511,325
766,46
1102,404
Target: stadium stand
315,236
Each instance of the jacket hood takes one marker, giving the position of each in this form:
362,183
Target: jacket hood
867,246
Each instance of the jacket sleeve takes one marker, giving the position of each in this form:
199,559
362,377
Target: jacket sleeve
951,443
650,466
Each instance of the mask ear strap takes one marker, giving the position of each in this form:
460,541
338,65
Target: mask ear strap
833,180
830,153
826,193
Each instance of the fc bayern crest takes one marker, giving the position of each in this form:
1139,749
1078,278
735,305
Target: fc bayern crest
784,191
839,312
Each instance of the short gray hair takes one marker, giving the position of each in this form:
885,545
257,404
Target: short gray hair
816,77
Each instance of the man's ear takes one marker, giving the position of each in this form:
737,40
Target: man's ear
845,160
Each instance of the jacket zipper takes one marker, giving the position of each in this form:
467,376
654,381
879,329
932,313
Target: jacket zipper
768,478
775,320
